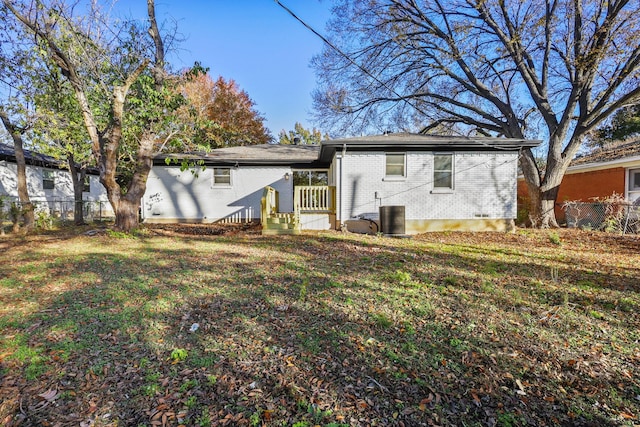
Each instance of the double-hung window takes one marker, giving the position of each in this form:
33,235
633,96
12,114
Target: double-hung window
395,165
222,177
443,171
48,179
633,192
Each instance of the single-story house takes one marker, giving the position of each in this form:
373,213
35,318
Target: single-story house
598,175
417,182
49,184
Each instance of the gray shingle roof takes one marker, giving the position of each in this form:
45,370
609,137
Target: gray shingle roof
434,141
274,154
615,151
7,152
253,154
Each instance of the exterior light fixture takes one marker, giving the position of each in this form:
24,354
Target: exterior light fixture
287,176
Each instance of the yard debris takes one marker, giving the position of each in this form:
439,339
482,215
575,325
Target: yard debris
49,395
479,335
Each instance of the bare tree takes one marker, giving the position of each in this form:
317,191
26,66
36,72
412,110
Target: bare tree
553,69
103,61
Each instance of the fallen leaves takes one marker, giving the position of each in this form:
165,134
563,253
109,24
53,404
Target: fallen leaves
481,334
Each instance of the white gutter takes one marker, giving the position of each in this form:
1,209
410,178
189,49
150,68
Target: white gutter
627,162
608,164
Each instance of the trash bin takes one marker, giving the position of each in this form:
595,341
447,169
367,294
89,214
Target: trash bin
392,220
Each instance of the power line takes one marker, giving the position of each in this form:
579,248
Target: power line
367,72
348,58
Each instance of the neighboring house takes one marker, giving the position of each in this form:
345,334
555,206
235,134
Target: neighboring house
48,183
599,174
432,182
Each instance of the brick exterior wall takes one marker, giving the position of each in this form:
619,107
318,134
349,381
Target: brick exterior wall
580,186
484,186
583,186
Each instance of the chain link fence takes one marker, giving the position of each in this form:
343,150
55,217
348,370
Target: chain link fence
613,217
49,212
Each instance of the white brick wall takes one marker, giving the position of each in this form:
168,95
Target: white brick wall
175,194
484,186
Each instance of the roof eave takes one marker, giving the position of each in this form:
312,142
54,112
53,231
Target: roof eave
607,164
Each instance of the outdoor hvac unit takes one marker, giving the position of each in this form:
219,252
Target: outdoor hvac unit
392,220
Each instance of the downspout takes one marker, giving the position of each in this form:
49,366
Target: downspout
340,173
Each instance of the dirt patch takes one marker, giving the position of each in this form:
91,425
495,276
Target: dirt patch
212,229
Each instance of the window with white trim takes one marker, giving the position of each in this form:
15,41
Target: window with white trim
443,171
395,165
633,192
48,179
222,177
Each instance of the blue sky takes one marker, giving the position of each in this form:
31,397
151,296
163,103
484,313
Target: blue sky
254,42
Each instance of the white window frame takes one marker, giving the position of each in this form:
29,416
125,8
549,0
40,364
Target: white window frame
633,192
441,188
214,175
48,175
387,175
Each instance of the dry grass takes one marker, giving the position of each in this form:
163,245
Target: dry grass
531,328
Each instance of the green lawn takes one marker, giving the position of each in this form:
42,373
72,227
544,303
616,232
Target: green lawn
531,328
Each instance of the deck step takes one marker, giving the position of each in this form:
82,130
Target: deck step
272,232
280,223
279,220
279,226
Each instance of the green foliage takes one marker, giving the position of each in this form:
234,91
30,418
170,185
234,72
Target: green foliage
624,124
179,355
212,379
118,234
450,280
188,385
302,294
401,276
191,402
4,212
301,136
44,220
59,130
204,420
555,238
15,212
255,419
382,320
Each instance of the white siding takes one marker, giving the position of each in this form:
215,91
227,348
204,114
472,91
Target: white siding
62,191
484,186
181,195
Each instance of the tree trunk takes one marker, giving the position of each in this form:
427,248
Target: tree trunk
543,191
78,174
23,193
127,211
542,207
127,215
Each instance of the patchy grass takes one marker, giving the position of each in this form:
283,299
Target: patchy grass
328,329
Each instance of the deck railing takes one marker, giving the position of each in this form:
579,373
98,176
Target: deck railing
268,204
314,198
